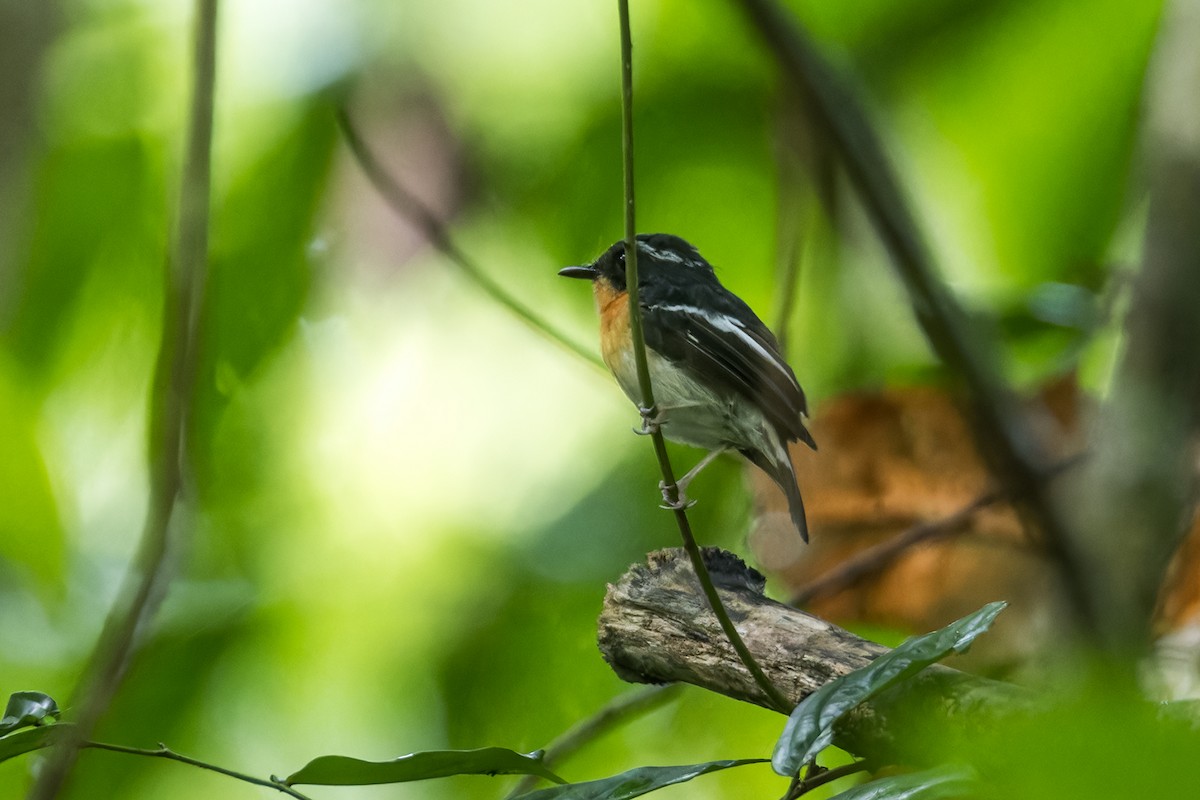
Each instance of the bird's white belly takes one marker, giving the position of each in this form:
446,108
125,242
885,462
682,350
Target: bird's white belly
689,412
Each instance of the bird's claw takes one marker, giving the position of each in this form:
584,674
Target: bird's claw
681,501
652,421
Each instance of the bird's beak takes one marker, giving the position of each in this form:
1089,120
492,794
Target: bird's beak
587,272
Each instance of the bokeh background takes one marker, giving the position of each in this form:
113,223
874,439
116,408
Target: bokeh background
405,504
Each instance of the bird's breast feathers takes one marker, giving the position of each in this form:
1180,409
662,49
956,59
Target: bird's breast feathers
692,412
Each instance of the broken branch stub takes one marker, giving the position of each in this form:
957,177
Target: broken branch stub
656,627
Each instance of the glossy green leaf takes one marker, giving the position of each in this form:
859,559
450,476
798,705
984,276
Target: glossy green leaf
346,771
932,784
809,729
30,739
27,708
635,782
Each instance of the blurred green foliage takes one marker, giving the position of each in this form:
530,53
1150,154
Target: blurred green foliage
404,505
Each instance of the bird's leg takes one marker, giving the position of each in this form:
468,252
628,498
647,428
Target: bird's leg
712,456
681,500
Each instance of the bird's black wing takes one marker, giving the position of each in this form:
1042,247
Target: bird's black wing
715,336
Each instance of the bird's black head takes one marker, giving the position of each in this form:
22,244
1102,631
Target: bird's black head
658,253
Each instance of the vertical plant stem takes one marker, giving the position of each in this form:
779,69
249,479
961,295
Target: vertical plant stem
789,233
648,408
631,265
174,379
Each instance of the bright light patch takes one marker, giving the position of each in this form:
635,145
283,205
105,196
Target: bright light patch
430,407
285,48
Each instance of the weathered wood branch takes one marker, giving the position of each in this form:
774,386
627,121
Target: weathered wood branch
656,627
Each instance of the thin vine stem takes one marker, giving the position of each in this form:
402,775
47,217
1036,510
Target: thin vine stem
877,557
413,209
789,234
170,412
162,751
648,408
620,710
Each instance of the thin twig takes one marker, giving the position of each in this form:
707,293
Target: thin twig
800,786
648,408
174,382
793,787
830,775
1005,437
878,556
789,233
413,209
622,709
806,203
162,751
788,257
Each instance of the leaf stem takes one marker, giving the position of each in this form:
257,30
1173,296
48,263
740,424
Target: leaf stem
162,751
648,408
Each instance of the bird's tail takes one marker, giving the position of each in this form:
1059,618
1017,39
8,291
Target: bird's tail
782,472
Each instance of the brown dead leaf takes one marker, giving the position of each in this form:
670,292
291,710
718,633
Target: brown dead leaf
893,460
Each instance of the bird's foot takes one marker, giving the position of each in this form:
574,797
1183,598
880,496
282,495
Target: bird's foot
680,501
652,421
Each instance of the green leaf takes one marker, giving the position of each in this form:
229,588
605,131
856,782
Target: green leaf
88,201
27,708
932,784
260,271
26,741
809,729
31,530
635,782
346,771
262,266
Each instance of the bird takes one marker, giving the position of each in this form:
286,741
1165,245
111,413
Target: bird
719,377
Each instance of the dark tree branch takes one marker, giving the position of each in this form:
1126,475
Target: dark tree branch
1004,434
1137,496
